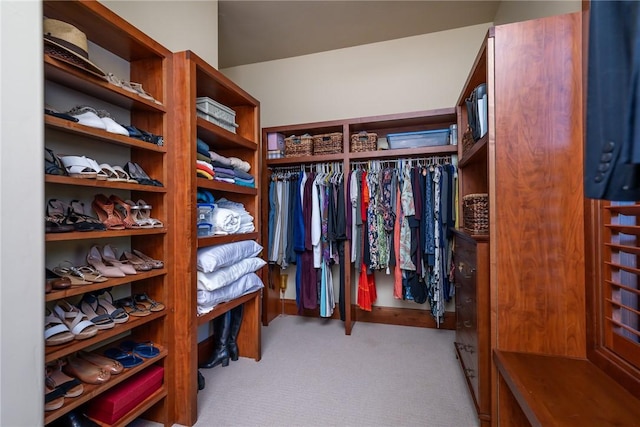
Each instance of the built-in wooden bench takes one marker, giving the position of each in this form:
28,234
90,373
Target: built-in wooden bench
541,390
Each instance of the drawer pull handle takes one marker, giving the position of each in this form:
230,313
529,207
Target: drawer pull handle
467,323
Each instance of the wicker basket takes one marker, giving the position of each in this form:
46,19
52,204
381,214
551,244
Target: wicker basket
467,140
328,143
298,146
364,141
475,208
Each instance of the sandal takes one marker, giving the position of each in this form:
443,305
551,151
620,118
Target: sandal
124,175
136,172
105,300
69,271
71,387
53,397
56,220
149,303
145,214
124,211
112,175
132,308
52,164
55,331
138,263
145,349
91,274
135,213
75,320
94,259
128,360
82,221
56,282
90,307
82,167
105,209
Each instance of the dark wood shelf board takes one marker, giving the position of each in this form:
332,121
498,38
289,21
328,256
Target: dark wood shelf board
109,283
226,306
211,184
84,235
204,242
67,126
477,152
84,182
75,79
218,137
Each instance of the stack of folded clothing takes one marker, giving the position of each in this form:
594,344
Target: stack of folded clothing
204,168
245,219
232,170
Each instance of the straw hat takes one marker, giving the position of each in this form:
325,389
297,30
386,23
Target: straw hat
66,43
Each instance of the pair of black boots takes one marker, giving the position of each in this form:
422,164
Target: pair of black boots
225,332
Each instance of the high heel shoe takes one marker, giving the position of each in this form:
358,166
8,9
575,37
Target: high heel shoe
153,262
94,259
109,256
144,212
138,263
105,209
123,210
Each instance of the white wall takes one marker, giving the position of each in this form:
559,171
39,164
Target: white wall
409,74
521,10
21,214
177,25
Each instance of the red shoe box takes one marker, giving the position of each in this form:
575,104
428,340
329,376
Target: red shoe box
113,404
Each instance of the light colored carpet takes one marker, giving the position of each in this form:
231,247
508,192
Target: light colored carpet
312,374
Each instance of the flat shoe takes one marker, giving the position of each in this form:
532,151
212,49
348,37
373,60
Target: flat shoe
113,366
86,371
149,303
145,349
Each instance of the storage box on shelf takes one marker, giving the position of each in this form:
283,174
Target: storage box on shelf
67,85
198,138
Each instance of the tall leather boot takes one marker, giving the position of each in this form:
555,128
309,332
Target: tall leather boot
220,355
236,321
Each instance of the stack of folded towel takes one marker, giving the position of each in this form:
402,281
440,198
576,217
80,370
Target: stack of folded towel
232,170
244,218
204,167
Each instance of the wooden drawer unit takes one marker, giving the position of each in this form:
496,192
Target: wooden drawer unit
472,318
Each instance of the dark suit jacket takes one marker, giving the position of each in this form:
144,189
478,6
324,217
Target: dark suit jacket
612,152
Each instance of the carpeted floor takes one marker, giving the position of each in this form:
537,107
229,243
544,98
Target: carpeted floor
312,374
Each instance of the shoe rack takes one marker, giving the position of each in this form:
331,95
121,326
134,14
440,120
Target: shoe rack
194,78
150,64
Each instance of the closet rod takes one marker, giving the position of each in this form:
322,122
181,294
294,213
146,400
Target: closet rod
431,160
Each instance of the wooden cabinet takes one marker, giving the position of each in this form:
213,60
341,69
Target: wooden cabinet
530,164
472,318
381,125
147,63
194,78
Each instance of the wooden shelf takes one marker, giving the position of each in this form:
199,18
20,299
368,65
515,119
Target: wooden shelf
477,153
56,352
88,84
62,125
211,184
84,182
204,242
109,283
86,235
92,390
226,306
218,137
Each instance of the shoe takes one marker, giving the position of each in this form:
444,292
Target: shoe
110,258
200,381
52,164
136,172
124,175
110,124
236,322
49,110
56,219
220,354
135,261
86,371
112,175
144,213
132,308
87,116
113,366
94,259
82,221
91,274
105,300
75,320
150,304
128,360
123,210
99,317
55,331
83,167
71,273
74,419
53,397
55,281
145,349
57,379
153,262
105,209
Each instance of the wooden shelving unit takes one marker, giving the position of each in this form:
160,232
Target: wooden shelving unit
149,63
194,78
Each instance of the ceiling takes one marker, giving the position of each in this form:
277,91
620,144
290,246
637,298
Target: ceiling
257,31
